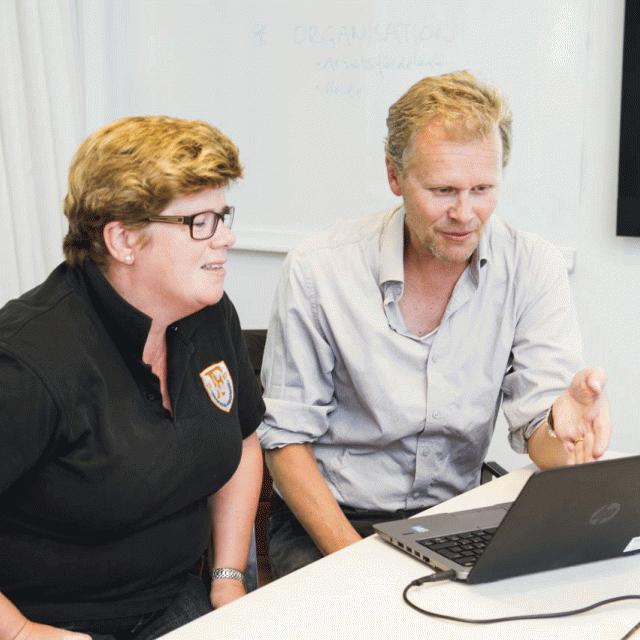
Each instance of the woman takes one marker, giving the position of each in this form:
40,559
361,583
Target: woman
128,399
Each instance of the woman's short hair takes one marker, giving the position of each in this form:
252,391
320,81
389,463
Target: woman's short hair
132,169
465,107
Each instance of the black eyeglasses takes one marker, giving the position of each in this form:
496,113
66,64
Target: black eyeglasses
202,225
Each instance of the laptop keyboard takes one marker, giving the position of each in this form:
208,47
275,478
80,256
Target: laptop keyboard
463,548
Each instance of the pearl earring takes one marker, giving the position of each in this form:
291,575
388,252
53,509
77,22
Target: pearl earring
128,258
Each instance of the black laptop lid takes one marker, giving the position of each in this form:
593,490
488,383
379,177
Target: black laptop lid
567,516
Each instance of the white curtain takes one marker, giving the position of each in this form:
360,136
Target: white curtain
42,120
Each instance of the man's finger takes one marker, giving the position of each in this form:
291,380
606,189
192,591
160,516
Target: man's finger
587,385
587,446
570,448
596,379
601,430
579,389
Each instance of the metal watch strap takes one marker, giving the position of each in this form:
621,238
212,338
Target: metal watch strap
226,572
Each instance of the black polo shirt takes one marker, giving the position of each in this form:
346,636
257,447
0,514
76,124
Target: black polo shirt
103,492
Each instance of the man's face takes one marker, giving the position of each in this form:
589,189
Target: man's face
450,189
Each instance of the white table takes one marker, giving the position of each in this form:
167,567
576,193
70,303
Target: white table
357,593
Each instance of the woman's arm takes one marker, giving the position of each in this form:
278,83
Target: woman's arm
27,424
233,513
11,620
14,626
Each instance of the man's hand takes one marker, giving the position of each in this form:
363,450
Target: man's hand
295,472
35,631
224,591
581,417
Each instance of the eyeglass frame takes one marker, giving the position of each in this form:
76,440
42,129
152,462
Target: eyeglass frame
227,213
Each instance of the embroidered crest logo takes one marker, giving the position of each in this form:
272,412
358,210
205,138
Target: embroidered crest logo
217,381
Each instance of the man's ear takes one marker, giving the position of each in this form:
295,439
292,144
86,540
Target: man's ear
120,241
393,175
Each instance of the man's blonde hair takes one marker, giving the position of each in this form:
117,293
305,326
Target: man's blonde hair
466,108
132,169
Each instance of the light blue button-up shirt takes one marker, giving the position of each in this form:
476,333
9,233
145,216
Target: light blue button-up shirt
399,421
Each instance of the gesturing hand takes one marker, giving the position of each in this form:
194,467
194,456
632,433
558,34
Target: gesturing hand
581,417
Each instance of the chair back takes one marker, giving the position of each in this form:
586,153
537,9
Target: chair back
255,340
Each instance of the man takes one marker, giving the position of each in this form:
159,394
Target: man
396,338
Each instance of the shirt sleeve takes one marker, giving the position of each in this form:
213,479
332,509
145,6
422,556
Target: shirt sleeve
250,403
298,364
28,419
547,349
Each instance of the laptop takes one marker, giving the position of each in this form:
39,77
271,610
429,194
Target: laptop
562,517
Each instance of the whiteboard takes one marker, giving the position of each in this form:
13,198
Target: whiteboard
303,87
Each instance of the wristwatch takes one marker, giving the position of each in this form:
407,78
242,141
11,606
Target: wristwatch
226,572
551,432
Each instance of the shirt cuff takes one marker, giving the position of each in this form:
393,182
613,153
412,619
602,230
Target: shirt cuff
274,438
519,438
286,422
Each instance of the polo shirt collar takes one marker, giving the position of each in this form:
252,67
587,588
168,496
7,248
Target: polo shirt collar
127,326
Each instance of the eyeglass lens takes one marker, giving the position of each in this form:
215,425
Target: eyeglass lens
204,224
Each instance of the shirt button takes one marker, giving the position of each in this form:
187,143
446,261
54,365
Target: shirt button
424,453
174,328
151,396
434,359
435,414
415,495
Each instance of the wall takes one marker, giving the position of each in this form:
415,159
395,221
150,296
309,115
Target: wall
606,278
265,79
307,109
303,88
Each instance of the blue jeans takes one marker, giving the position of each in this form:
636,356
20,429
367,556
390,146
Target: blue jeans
191,603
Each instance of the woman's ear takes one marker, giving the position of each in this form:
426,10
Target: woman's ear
120,241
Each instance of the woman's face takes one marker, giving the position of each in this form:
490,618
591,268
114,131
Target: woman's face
177,274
